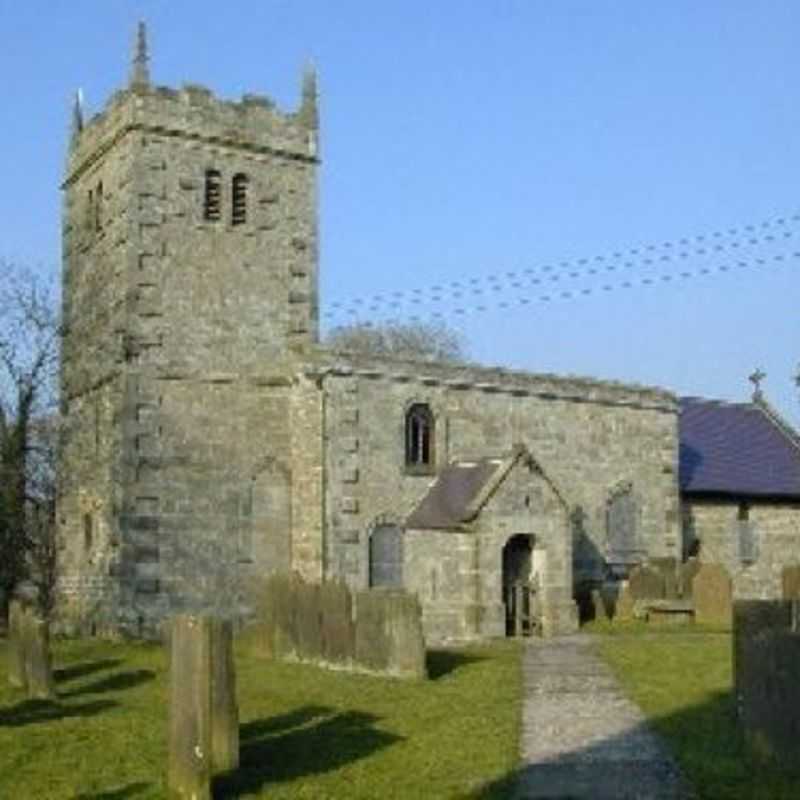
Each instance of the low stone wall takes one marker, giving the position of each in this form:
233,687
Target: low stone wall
378,630
766,662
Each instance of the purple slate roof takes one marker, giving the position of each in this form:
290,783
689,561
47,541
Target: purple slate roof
737,449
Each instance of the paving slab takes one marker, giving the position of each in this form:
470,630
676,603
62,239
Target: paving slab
582,739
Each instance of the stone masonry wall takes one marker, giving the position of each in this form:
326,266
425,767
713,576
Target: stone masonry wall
714,524
589,437
191,325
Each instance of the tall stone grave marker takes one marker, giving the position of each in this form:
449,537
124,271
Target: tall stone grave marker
713,595
203,718
790,580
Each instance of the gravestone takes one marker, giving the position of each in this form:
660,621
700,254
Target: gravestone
668,569
16,656
598,602
36,648
767,678
624,607
790,580
686,574
224,710
29,665
203,718
338,629
712,593
388,633
646,583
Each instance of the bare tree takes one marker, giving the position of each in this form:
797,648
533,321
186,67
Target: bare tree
426,341
29,349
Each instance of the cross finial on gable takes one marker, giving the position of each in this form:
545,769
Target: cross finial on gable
756,378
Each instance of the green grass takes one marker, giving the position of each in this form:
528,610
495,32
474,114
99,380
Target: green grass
683,682
305,732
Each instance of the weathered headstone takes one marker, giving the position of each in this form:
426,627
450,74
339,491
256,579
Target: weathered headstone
713,595
224,709
16,656
308,619
686,574
338,629
767,678
624,607
668,569
388,634
600,611
790,580
29,664
35,640
203,718
646,584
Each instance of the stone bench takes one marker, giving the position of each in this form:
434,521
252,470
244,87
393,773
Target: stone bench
670,612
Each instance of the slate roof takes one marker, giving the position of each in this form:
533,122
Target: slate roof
741,449
451,499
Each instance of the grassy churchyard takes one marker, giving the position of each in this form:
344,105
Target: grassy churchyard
305,732
312,733
683,681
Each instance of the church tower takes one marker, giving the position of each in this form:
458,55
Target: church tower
190,288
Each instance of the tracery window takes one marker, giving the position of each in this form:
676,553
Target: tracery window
419,436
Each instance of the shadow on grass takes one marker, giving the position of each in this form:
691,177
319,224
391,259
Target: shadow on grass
32,712
443,662
131,790
710,761
308,741
84,668
114,683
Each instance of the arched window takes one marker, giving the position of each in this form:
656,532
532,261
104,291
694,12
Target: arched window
386,556
212,197
621,523
419,436
239,199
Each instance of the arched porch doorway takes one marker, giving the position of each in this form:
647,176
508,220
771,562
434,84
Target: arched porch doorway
520,585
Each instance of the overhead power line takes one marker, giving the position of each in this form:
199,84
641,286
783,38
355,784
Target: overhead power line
675,251
604,288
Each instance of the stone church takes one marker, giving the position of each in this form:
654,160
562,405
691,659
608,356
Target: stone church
212,440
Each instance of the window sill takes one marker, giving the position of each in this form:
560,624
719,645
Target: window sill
420,470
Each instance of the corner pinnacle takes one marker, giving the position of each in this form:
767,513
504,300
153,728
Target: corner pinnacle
77,116
140,71
308,106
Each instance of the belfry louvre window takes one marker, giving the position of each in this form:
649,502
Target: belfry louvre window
239,199
419,436
212,198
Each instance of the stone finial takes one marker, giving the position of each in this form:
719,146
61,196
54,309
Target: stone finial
756,378
140,70
77,116
308,106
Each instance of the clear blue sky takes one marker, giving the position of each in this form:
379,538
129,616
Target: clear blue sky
463,140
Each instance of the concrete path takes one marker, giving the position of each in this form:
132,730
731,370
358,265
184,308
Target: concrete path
581,738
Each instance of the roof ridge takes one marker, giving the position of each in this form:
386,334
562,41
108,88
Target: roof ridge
779,421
